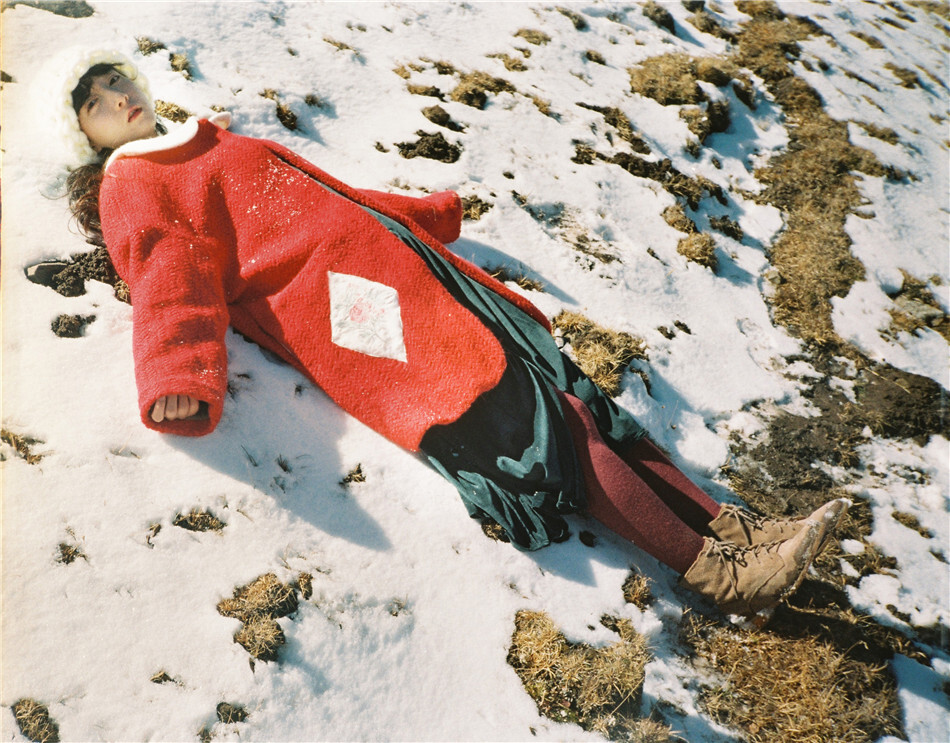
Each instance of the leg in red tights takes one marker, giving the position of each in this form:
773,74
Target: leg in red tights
687,500
624,501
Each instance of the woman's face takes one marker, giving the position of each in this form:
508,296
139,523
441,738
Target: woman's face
116,112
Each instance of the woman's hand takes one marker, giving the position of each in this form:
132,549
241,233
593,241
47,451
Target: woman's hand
175,407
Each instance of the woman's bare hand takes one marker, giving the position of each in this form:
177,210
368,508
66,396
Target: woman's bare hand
174,407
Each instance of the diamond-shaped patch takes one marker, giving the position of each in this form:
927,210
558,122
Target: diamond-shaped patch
365,316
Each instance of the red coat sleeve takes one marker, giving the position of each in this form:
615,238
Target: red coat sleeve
439,214
179,309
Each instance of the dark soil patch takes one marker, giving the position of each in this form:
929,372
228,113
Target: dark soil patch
71,326
94,265
66,8
431,146
660,16
34,721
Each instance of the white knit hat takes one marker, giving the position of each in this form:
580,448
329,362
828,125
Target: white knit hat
53,92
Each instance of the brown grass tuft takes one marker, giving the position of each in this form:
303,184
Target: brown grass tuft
676,218
473,88
668,79
172,111
699,247
148,46
258,605
199,519
180,63
602,354
597,688
473,208
503,273
907,78
262,637
22,444
533,36
34,721
798,689
636,590
355,475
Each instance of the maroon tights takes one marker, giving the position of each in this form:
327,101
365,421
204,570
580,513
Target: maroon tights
641,495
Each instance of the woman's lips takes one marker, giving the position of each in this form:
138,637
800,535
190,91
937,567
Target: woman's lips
134,113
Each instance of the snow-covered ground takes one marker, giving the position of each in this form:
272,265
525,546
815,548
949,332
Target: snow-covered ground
406,634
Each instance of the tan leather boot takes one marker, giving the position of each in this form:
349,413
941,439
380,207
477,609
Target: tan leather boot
745,529
746,580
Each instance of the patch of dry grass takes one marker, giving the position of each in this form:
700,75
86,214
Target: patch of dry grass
473,208
34,721
180,63
699,247
812,182
676,218
22,444
597,688
602,354
355,475
473,88
504,273
172,111
636,590
669,79
284,114
199,519
258,605
801,689
533,36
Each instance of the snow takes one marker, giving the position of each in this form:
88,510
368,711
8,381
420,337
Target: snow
85,638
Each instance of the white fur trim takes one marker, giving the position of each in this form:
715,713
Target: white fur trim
53,90
175,138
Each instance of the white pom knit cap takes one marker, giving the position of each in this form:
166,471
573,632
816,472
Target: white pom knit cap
53,90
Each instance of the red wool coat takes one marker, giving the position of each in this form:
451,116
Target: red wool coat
210,228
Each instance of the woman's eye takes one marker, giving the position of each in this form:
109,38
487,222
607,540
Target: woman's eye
113,80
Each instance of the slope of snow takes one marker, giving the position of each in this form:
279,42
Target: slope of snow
407,631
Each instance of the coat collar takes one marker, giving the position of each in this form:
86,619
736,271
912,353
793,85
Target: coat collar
177,137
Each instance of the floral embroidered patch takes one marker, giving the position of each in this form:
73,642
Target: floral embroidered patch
365,316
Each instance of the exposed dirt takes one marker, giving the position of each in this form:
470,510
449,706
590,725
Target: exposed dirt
432,146
95,266
71,326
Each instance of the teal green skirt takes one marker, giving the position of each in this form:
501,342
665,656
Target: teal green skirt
511,456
